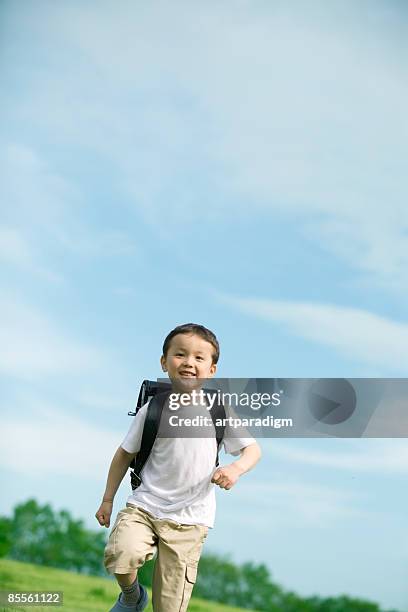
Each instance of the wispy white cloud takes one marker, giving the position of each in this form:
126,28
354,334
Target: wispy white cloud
33,192
371,456
299,139
45,212
109,243
359,334
103,400
15,249
53,442
33,346
293,502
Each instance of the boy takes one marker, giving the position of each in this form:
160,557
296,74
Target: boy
172,510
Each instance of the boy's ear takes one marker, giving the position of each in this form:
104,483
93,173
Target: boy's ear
213,369
163,363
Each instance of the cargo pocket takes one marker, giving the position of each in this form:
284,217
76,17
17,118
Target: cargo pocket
189,582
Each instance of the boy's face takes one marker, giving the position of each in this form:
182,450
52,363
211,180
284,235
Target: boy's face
189,357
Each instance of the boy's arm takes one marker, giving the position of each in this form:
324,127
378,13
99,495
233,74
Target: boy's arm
118,468
225,477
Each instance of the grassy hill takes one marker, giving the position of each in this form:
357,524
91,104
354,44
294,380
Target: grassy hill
81,593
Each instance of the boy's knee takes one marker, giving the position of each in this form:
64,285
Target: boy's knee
131,543
126,579
125,564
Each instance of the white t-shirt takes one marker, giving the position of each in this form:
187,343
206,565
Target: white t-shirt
176,479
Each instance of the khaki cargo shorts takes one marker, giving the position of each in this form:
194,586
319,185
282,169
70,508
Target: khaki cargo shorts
137,535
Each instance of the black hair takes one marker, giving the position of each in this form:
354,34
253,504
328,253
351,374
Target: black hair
194,328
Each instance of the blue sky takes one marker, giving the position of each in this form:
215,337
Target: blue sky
238,166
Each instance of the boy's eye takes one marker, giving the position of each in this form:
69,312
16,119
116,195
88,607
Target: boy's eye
200,358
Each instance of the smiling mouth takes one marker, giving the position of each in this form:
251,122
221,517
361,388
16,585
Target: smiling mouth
187,375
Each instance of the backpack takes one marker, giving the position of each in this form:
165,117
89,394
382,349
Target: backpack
160,391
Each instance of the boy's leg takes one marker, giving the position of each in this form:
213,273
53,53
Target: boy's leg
175,572
131,543
133,595
126,579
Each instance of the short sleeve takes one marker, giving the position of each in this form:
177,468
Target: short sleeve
133,438
235,438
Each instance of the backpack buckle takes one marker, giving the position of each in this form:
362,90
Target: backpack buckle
135,480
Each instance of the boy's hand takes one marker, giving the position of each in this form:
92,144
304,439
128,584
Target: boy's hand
226,477
104,512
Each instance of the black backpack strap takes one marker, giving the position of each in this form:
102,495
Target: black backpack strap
218,412
148,389
150,429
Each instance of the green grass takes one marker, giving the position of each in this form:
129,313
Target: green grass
81,593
